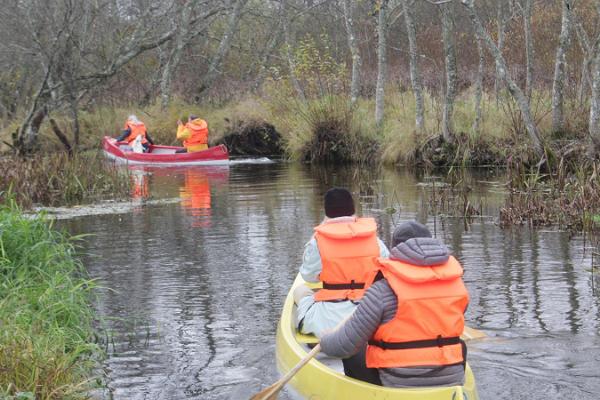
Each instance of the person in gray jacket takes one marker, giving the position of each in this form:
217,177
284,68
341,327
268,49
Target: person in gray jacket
413,245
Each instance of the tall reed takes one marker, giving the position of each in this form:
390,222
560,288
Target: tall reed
57,179
47,348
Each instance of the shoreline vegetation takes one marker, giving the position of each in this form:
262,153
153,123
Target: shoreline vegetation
48,345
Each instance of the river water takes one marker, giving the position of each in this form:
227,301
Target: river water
195,269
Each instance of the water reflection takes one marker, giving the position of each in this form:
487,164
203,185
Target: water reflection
198,283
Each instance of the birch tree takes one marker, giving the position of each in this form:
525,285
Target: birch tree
560,65
415,75
381,60
594,144
528,48
450,67
224,46
349,22
479,84
513,88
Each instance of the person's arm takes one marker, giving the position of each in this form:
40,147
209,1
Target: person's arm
124,134
353,334
383,250
183,133
148,138
311,262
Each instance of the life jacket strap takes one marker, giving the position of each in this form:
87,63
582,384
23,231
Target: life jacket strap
416,344
343,286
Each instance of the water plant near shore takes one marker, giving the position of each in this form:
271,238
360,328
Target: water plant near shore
564,191
47,348
60,179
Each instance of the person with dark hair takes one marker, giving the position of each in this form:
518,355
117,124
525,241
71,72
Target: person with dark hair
194,134
342,256
410,319
134,128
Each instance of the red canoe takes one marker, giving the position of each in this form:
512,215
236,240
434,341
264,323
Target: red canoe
164,155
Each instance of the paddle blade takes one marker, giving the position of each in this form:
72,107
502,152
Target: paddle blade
269,393
471,334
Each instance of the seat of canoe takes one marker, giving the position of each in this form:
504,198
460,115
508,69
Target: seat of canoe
308,341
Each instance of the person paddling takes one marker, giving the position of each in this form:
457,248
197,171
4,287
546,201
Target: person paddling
134,128
194,134
411,318
342,255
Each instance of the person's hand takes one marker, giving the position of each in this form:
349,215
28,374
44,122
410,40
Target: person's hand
179,122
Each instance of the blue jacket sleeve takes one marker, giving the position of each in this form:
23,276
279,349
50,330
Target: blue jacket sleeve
123,135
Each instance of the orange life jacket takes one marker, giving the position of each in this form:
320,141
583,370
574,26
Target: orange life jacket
136,130
430,319
348,255
199,132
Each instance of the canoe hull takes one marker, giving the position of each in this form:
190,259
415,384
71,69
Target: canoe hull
318,381
165,155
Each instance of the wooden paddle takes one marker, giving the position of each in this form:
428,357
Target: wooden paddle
272,391
472,333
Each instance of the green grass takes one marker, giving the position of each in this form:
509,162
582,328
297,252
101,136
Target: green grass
47,348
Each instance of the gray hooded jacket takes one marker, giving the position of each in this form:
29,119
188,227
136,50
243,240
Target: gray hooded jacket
378,306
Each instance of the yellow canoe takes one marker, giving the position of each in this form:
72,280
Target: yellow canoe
323,378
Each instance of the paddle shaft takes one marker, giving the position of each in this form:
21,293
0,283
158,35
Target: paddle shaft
271,392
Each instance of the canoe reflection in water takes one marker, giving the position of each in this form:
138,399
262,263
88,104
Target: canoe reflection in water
191,184
139,184
195,193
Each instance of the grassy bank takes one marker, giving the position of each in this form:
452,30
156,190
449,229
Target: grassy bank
331,125
57,179
47,345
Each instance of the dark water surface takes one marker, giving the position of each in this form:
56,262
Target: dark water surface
197,280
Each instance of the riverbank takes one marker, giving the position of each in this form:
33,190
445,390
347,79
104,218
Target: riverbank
47,343
330,128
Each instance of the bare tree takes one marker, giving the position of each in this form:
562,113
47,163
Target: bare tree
479,84
224,46
560,65
450,66
349,12
513,88
288,51
594,144
528,48
415,75
382,26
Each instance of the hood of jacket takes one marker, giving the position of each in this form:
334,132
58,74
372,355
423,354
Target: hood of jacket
422,252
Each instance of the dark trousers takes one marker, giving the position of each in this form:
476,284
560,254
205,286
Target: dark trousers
356,367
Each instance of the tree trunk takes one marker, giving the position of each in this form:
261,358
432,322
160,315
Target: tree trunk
381,61
174,56
288,53
450,64
479,85
560,65
513,88
595,105
415,75
349,11
528,49
224,46
594,146
501,22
